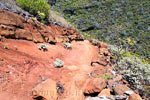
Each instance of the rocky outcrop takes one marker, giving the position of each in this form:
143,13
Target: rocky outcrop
28,73
15,26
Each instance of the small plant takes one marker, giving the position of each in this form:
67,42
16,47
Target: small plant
6,47
67,45
105,76
58,63
34,18
43,47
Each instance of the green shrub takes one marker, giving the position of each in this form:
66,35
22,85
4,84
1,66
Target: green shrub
105,76
36,7
135,71
58,63
43,47
6,47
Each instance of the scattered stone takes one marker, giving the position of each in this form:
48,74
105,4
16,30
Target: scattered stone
46,90
95,85
120,89
67,45
120,97
112,97
104,92
114,72
60,88
134,97
58,63
117,97
43,78
129,92
98,69
99,61
96,98
111,82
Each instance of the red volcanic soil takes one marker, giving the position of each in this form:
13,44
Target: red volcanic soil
23,65
27,73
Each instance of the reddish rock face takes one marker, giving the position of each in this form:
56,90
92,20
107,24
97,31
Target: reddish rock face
98,69
134,97
95,85
10,19
120,89
14,26
46,89
104,92
111,82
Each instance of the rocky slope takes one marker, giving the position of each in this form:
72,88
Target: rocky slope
28,73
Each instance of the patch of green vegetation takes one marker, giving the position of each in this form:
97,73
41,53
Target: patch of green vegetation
6,47
39,8
147,89
58,63
134,71
105,76
124,23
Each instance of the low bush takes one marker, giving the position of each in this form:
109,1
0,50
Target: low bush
39,8
43,47
58,63
135,72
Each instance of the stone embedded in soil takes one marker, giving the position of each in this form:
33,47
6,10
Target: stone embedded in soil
99,60
120,89
95,85
111,82
94,98
46,89
129,92
98,69
134,97
117,97
15,26
104,92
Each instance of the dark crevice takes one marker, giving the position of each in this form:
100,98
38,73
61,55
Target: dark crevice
70,40
95,94
39,98
10,36
52,43
95,63
16,26
13,37
112,92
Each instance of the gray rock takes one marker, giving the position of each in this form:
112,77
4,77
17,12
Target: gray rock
67,45
96,98
129,92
